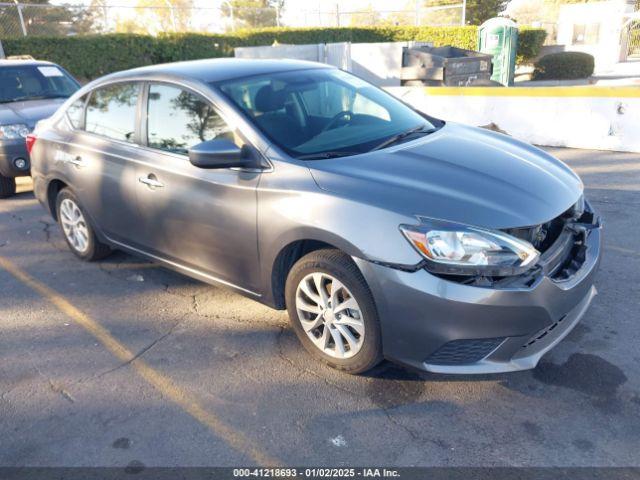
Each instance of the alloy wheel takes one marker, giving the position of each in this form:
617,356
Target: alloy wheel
74,225
330,315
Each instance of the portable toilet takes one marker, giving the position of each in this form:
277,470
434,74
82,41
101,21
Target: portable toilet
499,37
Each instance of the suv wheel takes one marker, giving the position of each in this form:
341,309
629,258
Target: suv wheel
332,311
7,186
76,228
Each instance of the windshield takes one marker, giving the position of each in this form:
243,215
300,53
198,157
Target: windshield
320,113
34,82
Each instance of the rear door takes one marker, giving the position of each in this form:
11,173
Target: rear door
98,158
202,219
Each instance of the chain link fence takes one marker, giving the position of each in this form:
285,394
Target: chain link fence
23,19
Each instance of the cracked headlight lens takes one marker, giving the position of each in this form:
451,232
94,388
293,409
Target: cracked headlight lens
457,249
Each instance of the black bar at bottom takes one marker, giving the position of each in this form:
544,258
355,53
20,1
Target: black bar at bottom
137,471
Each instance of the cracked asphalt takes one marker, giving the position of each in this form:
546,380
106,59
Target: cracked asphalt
245,385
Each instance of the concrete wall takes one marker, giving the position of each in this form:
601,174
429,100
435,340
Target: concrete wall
311,52
378,63
600,118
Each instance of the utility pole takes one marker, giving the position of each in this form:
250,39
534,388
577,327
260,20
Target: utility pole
464,12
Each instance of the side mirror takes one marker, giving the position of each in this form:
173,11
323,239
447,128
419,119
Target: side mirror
219,153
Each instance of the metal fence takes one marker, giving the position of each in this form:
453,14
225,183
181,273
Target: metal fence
633,39
24,19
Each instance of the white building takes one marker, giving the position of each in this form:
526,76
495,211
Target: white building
597,28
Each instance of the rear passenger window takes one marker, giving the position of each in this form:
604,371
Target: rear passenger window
177,120
75,113
111,112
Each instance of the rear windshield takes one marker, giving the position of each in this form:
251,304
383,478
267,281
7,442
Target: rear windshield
34,82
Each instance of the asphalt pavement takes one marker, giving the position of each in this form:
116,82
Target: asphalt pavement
123,362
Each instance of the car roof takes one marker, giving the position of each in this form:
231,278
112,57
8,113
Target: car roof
214,70
19,63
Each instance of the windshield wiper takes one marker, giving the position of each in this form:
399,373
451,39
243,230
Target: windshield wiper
325,155
403,135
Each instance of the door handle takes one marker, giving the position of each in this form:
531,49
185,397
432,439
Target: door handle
151,182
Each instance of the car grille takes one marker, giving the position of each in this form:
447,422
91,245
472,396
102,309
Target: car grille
462,352
544,235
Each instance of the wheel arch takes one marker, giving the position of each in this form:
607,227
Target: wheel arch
53,188
292,251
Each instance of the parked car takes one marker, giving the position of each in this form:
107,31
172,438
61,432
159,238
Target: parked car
30,91
383,231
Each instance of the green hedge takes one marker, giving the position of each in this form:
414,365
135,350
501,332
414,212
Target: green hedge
530,41
563,66
95,55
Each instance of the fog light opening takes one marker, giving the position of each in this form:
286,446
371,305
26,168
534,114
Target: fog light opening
21,163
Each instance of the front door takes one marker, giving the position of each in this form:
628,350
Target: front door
201,219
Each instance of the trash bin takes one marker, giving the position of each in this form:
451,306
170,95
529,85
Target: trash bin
499,38
448,65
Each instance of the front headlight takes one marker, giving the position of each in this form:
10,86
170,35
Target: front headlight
11,132
457,249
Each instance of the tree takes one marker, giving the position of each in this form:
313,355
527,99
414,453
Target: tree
253,13
43,18
365,17
91,19
477,12
157,16
40,19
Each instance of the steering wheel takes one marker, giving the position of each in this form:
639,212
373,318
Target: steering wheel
340,115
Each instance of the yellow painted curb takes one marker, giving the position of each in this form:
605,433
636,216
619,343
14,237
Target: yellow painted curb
576,91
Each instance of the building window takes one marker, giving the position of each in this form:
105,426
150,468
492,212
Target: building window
586,34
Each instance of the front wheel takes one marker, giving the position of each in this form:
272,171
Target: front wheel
332,311
7,186
77,229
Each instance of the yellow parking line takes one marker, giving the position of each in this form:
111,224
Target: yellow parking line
161,382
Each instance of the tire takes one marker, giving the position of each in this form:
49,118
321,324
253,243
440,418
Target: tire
91,248
360,352
7,186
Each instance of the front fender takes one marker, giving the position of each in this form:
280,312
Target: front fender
291,208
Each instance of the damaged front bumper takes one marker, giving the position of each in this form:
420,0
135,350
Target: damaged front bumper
445,326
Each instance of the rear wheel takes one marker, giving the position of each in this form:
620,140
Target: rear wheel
77,229
7,186
332,311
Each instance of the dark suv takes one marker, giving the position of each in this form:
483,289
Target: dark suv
30,91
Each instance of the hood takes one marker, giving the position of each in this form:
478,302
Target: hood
29,112
460,174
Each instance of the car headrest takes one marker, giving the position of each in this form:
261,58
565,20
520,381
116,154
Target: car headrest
268,100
